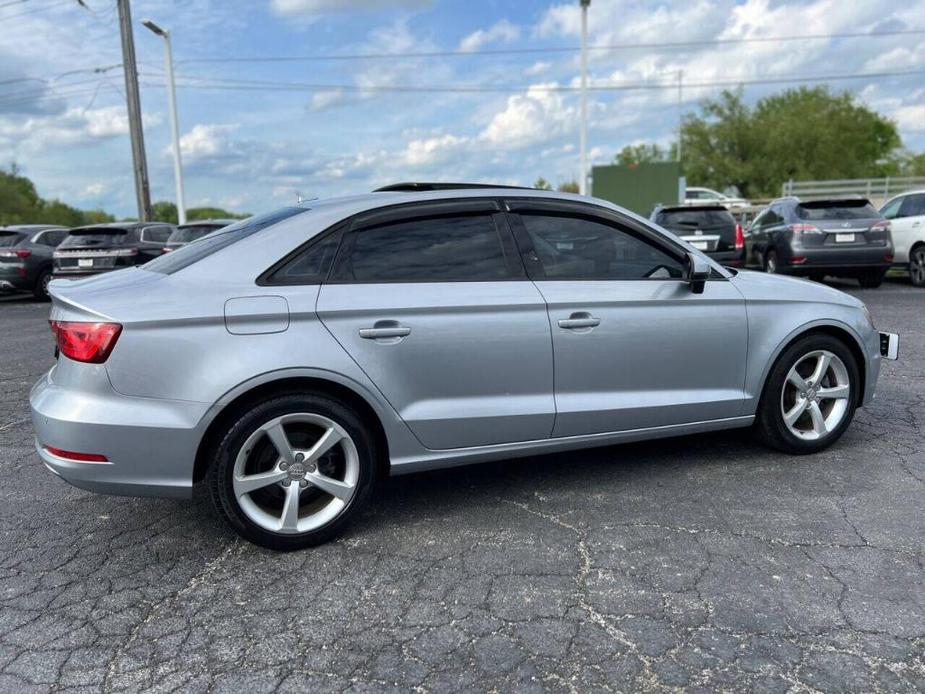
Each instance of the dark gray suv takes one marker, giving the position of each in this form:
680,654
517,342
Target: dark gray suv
26,257
815,238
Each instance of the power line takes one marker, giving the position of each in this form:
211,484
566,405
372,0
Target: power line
670,45
45,8
201,82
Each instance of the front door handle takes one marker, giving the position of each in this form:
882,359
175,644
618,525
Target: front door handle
385,330
579,320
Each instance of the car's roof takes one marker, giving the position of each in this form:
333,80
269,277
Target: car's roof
918,191
117,225
201,222
31,227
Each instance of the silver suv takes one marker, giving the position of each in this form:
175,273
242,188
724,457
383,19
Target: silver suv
290,359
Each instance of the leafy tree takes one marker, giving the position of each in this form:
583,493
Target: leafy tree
194,213
643,153
805,133
568,187
164,211
542,184
21,204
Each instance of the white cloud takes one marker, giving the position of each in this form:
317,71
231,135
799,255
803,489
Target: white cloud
502,31
433,149
205,141
326,99
94,190
309,8
911,117
538,68
534,116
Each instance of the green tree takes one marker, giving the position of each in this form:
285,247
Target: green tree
643,153
164,211
805,133
568,187
542,184
195,213
21,204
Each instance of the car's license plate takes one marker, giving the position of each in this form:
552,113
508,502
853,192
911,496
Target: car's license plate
844,238
700,245
85,262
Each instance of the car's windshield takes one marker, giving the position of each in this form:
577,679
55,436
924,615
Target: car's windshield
836,209
10,238
206,246
95,236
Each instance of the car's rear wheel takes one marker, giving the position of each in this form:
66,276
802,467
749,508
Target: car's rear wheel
917,266
809,397
40,291
872,280
293,471
770,263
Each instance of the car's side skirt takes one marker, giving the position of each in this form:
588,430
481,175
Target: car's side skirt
434,460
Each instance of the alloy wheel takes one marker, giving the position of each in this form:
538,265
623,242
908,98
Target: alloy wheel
815,396
917,267
296,473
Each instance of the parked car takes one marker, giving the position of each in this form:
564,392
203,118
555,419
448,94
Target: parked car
815,238
26,257
906,214
710,228
696,195
192,231
100,248
290,359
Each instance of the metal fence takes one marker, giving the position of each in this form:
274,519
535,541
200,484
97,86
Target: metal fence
872,188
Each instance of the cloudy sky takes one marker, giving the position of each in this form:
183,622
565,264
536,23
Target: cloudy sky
260,123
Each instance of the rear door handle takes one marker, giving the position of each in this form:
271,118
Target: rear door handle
579,320
384,330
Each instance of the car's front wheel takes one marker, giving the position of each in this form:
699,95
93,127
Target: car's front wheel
770,263
809,397
40,291
293,471
917,266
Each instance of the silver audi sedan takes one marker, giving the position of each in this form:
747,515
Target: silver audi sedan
289,360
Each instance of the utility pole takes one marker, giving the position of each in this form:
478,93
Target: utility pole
175,129
680,113
583,180
134,112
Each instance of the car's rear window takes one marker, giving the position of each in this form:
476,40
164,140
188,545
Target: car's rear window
206,246
695,218
822,210
81,238
185,234
10,238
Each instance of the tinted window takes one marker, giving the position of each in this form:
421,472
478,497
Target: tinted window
53,238
913,206
156,234
310,266
823,210
191,232
446,249
891,209
695,218
572,248
204,247
10,239
96,236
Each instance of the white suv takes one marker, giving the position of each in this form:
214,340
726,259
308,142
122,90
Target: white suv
906,213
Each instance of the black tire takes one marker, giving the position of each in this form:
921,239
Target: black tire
219,478
872,280
771,265
769,420
40,291
917,266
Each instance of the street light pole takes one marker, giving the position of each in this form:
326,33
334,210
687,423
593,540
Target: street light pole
583,180
174,127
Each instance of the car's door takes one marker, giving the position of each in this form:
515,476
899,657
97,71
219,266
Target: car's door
633,346
754,240
432,302
907,223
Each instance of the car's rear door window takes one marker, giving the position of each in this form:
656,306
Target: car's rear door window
574,248
454,248
913,206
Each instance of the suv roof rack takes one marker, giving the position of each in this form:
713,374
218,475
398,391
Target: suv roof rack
422,186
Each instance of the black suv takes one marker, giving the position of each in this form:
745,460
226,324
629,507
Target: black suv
708,228
26,257
191,231
815,238
104,247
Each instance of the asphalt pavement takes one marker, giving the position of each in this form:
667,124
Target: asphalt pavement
698,563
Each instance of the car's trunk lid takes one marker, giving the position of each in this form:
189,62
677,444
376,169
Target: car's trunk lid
707,228
841,224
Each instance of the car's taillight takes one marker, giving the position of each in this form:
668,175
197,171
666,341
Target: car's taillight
881,226
15,253
87,342
805,229
798,259
740,237
74,455
166,249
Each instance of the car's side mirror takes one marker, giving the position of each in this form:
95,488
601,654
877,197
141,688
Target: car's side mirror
698,272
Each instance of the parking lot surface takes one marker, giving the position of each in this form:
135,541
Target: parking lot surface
704,562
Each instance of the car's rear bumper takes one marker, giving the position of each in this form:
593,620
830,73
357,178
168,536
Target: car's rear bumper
15,277
150,444
851,260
